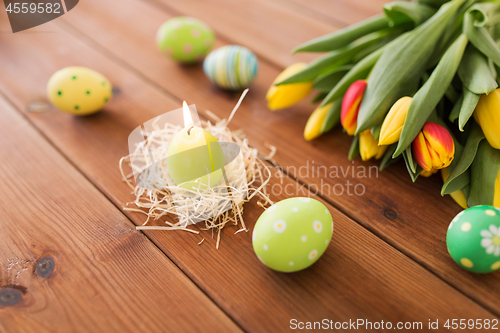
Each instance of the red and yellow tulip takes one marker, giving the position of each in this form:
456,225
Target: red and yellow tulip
425,173
350,106
394,121
368,146
433,148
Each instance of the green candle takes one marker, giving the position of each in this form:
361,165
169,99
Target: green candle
194,156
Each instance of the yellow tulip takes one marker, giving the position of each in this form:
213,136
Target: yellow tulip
487,115
433,147
315,122
394,121
368,146
286,95
458,195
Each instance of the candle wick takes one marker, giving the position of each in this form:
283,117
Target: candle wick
189,130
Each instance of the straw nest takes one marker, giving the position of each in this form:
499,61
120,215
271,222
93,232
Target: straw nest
246,177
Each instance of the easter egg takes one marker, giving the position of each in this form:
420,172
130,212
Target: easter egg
79,90
473,239
185,39
231,67
292,234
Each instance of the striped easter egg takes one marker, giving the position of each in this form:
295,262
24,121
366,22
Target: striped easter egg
231,67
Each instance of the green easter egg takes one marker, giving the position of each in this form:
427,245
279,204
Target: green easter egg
473,239
292,234
185,39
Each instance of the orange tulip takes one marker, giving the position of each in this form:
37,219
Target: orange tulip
350,106
433,147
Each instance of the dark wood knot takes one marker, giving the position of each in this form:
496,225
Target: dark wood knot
45,267
390,214
9,296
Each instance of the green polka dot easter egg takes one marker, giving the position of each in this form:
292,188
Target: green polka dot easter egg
185,39
473,239
79,90
292,234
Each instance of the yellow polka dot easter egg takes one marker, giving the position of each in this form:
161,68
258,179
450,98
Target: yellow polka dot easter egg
292,234
79,90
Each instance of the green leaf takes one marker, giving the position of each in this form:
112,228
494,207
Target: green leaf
401,65
429,95
461,165
469,104
475,25
354,150
359,72
451,94
320,96
475,72
400,12
411,165
327,81
484,172
333,116
387,159
456,109
434,3
335,58
375,130
345,36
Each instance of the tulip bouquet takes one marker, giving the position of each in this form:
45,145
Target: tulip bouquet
419,82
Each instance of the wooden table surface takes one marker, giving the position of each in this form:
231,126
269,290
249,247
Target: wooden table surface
62,195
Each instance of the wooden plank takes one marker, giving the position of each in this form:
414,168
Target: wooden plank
107,276
411,216
360,276
266,27
340,12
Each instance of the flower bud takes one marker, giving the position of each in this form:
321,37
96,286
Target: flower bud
394,121
350,106
368,146
286,95
315,122
487,115
433,147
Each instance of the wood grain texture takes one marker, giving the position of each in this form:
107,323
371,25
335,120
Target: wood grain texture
342,13
107,276
360,276
411,216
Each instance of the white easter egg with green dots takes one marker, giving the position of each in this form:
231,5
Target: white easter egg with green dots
79,90
473,239
185,39
292,234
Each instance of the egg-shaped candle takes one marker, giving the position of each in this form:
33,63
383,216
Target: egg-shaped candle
194,157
